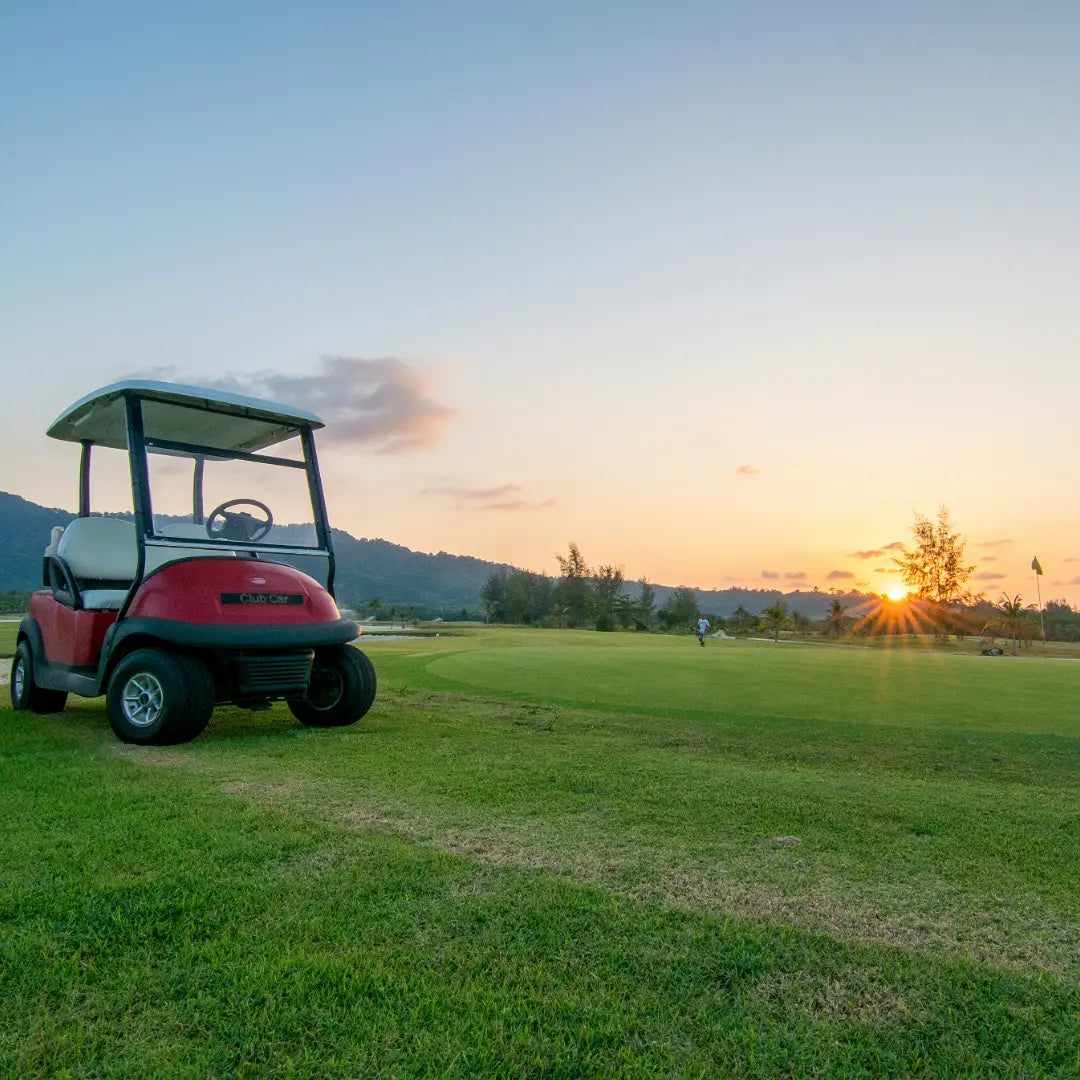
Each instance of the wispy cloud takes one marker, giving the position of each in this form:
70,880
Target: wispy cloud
384,403
520,504
839,575
795,575
875,553
466,494
769,575
747,470
992,543
987,575
503,497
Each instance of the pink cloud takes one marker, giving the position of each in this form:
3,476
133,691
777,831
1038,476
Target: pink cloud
503,497
384,403
875,553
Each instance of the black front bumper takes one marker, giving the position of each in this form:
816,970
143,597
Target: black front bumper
261,638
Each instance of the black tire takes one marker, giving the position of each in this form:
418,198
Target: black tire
342,688
156,697
26,696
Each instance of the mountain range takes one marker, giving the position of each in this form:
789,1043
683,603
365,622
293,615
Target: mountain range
440,584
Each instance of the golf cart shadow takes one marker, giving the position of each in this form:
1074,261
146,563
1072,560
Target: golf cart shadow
230,724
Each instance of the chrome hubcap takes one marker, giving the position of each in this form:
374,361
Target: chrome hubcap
142,699
18,678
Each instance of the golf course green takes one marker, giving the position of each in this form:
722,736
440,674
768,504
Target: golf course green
561,854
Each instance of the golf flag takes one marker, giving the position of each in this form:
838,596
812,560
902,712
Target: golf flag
1036,566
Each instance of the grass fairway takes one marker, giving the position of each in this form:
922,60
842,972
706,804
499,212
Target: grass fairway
560,854
9,629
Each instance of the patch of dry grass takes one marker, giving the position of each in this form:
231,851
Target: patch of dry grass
850,995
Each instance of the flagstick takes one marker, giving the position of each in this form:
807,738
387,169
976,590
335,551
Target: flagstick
1042,624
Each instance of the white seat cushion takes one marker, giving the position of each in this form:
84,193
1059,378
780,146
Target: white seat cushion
54,539
100,549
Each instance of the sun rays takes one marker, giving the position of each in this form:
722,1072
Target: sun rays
899,614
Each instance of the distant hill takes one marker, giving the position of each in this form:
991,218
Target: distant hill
439,584
24,534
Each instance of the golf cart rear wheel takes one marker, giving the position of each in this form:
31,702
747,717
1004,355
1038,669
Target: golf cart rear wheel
25,695
342,688
157,697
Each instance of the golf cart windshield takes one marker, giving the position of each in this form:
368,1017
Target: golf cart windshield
232,501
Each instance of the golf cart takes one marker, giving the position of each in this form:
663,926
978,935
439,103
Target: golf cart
180,610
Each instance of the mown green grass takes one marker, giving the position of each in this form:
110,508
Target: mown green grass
8,632
558,854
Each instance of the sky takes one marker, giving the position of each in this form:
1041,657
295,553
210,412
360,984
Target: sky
724,293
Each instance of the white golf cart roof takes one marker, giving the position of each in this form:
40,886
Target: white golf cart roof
181,414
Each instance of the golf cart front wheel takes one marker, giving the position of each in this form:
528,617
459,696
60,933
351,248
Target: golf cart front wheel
157,697
25,695
341,691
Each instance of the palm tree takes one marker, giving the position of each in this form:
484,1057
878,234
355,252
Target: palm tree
834,617
1011,620
775,618
376,607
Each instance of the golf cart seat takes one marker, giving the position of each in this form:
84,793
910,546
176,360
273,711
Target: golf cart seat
54,540
102,556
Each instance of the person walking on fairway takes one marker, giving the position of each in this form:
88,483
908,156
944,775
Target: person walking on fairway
702,626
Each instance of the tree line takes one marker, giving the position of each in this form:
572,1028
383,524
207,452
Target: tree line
599,598
14,602
932,566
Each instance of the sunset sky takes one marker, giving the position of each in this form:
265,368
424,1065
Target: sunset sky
725,293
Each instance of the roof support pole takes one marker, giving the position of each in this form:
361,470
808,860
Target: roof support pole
140,490
140,477
84,479
197,492
318,503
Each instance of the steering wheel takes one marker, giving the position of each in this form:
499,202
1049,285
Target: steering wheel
243,526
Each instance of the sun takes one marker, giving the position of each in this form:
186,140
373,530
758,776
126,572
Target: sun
896,593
